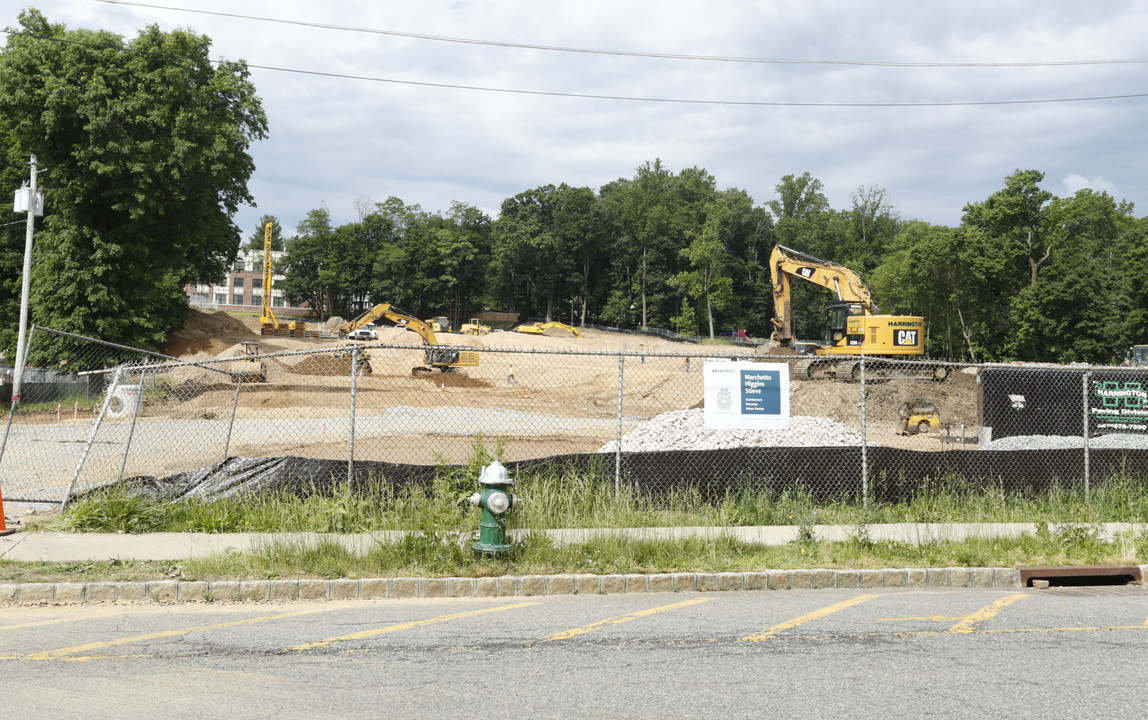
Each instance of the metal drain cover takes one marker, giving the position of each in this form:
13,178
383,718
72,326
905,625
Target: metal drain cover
1079,575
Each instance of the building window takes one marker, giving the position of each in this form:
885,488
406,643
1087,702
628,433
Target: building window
237,282
256,299
220,298
237,299
276,301
199,298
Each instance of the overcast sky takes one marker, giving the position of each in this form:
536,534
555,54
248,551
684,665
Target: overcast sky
919,98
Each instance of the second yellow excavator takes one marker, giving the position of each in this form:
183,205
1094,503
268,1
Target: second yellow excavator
541,328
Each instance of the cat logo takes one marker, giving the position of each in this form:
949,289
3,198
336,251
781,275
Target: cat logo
905,338
806,272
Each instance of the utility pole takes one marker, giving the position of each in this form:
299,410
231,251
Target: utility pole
33,206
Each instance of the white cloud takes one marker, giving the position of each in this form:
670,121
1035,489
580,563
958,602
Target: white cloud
336,139
1072,183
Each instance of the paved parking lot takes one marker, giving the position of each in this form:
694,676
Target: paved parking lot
912,653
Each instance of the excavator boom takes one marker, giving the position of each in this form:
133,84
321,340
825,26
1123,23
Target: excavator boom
442,359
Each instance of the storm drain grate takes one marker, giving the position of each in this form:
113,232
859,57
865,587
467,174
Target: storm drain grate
1078,575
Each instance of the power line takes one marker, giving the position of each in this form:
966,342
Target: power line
624,98
631,53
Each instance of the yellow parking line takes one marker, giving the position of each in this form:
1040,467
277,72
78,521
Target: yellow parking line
965,626
934,618
62,652
574,632
50,622
404,626
790,624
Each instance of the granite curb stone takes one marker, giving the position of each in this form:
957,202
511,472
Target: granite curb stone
174,591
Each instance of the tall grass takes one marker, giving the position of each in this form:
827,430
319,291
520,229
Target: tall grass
569,497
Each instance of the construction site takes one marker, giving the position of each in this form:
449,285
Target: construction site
661,376
386,392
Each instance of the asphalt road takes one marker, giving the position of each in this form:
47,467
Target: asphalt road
827,653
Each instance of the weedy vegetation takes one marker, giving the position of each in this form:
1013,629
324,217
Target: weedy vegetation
428,529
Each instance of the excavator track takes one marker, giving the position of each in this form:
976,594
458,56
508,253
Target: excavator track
876,370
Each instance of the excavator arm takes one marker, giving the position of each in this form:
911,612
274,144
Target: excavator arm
443,359
785,263
389,312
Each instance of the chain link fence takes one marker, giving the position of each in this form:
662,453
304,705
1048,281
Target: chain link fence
859,429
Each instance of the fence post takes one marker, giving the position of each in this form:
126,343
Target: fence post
234,405
618,451
1084,405
15,398
91,438
354,397
864,444
132,427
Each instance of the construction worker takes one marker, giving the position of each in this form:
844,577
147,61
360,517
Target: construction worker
510,377
687,364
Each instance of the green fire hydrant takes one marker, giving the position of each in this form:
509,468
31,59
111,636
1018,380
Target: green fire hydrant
495,501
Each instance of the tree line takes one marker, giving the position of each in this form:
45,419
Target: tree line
145,148
1026,275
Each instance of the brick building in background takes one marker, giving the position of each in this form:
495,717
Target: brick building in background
243,289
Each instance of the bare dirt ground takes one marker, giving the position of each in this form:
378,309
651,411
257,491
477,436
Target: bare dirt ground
554,385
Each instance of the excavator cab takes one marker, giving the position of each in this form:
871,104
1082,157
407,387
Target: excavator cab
838,327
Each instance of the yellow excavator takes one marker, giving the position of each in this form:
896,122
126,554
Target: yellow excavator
442,359
541,328
854,324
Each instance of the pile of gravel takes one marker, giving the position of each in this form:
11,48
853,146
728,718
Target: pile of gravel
1118,441
686,430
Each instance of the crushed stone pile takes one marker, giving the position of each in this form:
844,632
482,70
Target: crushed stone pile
1118,441
686,430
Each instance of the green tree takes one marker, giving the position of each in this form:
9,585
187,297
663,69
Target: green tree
1020,214
1132,259
256,241
952,277
309,273
1075,310
802,221
395,277
460,248
537,240
146,145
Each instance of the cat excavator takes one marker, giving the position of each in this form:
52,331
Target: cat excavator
437,358
854,324
541,328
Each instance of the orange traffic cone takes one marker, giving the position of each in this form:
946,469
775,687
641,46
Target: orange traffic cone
3,522
443,388
524,392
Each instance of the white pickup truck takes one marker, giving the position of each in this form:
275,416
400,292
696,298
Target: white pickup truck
367,332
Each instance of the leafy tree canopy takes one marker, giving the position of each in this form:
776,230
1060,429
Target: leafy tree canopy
145,148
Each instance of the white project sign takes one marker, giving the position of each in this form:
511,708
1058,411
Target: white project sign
741,395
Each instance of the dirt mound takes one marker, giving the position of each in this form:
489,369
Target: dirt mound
205,332
453,379
330,364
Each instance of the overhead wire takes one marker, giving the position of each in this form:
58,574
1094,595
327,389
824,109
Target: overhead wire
632,53
597,96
